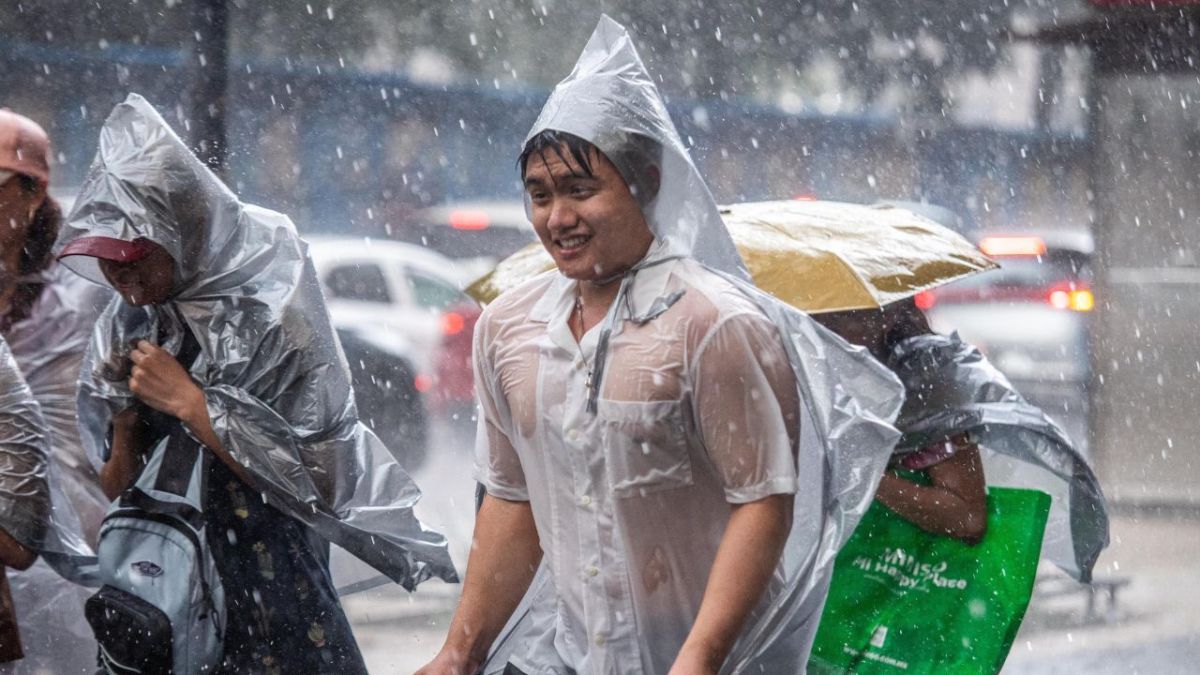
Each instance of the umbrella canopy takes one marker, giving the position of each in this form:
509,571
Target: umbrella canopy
817,256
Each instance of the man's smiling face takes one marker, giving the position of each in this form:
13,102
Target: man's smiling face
587,219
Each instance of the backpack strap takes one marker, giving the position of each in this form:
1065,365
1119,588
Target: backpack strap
181,451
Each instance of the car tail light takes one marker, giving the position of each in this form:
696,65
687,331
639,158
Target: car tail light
1012,246
469,220
1079,300
453,323
925,300
423,383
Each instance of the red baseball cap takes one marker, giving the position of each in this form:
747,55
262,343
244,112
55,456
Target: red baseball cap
24,147
109,248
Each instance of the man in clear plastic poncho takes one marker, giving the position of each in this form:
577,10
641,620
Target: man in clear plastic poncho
264,386
681,453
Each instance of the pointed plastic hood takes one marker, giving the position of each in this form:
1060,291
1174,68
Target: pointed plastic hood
609,96
146,184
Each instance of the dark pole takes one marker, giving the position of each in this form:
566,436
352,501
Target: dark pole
207,105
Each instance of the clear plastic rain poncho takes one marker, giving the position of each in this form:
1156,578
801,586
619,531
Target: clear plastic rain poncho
952,389
273,373
25,500
35,511
847,399
48,346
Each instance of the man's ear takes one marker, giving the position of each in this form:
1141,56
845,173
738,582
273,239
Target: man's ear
645,187
653,182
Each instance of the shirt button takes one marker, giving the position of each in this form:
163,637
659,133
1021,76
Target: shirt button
600,640
573,435
585,500
592,571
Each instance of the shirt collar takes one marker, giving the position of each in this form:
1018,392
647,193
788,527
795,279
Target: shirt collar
649,284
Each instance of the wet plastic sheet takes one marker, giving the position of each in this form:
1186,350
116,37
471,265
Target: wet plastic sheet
953,389
25,501
272,370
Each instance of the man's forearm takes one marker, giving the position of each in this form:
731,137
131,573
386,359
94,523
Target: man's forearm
746,560
505,553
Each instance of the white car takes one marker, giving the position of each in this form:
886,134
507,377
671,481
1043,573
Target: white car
392,305
393,294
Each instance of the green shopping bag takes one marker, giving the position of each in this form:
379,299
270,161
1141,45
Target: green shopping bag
906,601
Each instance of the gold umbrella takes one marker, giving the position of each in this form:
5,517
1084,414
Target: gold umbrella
814,255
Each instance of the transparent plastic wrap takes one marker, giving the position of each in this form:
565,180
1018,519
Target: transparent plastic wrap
273,373
48,346
953,389
25,498
845,400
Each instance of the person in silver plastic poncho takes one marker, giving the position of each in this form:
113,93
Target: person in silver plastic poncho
46,316
24,496
229,289
682,454
965,427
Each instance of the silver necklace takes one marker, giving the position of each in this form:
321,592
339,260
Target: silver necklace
579,343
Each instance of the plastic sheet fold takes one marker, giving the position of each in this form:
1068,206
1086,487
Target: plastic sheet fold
953,389
25,500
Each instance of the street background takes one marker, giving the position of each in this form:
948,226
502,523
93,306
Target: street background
388,129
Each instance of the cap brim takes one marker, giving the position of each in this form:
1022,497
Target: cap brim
108,248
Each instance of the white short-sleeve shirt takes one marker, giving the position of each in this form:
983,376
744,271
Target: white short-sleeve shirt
698,410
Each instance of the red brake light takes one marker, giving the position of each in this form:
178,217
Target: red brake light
469,220
1074,299
1014,246
925,300
453,323
423,383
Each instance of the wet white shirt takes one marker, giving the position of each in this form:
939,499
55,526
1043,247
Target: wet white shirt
697,411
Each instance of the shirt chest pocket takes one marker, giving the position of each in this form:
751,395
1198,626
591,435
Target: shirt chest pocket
646,446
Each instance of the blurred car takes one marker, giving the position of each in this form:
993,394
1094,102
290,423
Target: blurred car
476,235
1031,317
394,305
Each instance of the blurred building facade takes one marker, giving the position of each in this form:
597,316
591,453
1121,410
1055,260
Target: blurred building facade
1145,175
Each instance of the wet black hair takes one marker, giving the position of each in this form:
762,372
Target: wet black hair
637,158
555,141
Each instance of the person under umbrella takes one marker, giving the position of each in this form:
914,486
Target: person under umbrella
220,327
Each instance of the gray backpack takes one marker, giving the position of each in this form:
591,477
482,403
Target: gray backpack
162,607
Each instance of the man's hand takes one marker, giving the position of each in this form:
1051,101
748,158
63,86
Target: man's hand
505,553
695,662
447,662
160,382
